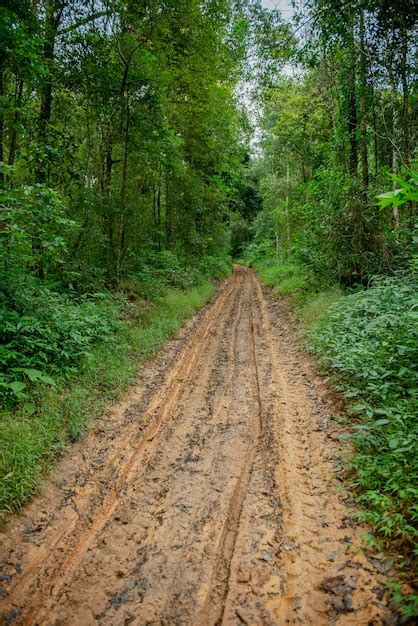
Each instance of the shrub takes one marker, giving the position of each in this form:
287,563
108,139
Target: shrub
44,334
369,341
215,266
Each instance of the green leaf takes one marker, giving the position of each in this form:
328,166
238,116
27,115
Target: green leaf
29,408
17,386
32,374
47,379
388,194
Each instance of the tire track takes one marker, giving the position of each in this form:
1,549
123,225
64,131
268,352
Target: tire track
210,500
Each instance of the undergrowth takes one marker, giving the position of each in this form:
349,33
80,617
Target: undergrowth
369,341
309,300
284,278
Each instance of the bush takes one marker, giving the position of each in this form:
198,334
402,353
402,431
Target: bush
44,334
162,269
215,266
369,341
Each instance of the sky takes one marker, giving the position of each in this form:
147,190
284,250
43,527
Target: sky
283,5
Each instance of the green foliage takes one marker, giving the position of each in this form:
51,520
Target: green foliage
284,278
215,266
34,229
369,341
165,269
314,305
121,148
45,334
300,286
161,270
409,604
406,189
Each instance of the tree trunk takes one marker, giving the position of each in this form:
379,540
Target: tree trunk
394,103
16,118
405,94
287,202
168,214
375,142
122,215
54,10
1,120
352,113
108,220
363,110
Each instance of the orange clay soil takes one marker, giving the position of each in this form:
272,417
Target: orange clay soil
210,496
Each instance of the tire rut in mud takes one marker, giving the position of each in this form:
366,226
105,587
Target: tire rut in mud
208,497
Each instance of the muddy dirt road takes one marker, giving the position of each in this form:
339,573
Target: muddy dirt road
208,497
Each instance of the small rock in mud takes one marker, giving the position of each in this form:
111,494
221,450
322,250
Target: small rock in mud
11,615
289,545
5,577
379,592
382,566
117,601
27,530
340,588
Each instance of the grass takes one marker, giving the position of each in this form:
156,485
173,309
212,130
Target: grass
294,282
31,443
284,278
314,305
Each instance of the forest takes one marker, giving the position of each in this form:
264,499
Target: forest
147,146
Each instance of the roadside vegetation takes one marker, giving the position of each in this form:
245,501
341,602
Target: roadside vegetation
366,342
367,339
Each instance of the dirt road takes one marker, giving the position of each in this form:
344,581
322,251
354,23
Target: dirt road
209,497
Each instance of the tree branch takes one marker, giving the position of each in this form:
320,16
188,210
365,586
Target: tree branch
84,20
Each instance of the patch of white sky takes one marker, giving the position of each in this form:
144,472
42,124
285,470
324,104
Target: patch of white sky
282,5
